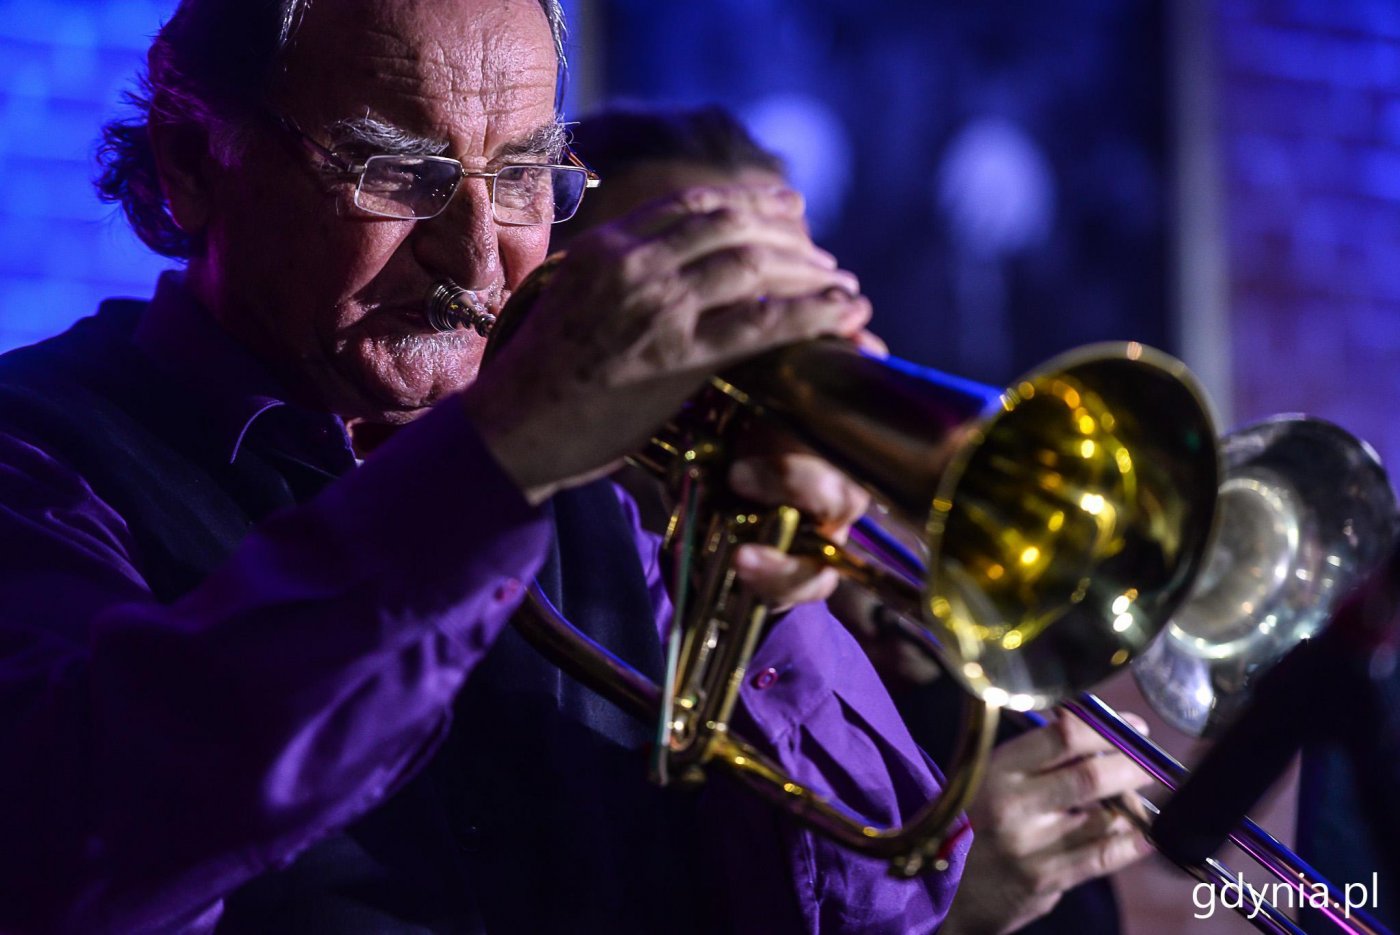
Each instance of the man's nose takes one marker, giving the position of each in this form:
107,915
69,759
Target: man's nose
462,243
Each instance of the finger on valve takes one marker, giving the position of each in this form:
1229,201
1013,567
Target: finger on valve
781,580
776,470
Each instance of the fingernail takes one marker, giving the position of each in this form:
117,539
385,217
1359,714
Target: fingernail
848,282
857,313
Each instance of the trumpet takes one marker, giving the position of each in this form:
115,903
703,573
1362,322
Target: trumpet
1065,517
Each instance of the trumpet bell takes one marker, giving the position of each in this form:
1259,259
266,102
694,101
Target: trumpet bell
1063,518
1305,510
1061,521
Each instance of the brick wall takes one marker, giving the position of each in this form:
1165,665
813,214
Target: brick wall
1309,109
63,66
1306,133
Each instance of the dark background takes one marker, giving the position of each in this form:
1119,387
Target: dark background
994,172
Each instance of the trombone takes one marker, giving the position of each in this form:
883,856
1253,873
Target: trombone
1305,511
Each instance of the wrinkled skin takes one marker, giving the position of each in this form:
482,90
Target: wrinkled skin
326,295
644,309
681,277
1042,826
771,467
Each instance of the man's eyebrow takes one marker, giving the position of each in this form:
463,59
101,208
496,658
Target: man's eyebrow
546,140
372,134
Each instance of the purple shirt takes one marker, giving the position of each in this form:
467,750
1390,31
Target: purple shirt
158,756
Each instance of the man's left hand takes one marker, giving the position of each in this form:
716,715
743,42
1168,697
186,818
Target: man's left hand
829,500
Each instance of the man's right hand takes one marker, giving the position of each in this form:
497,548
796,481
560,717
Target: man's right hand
1041,827
639,314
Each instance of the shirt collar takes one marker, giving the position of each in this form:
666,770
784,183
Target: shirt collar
184,340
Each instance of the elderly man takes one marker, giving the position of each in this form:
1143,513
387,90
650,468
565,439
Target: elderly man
251,685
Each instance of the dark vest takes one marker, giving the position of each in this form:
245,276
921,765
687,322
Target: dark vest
534,815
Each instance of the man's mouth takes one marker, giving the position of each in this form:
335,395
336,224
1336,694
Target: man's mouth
400,317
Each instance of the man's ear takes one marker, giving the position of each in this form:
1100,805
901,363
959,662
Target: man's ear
184,164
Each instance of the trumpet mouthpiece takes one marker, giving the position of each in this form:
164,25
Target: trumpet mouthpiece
453,308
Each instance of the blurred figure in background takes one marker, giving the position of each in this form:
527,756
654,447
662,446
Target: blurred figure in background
1045,841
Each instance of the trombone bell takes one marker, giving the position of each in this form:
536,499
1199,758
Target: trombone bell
1305,511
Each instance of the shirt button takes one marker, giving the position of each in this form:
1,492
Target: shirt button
507,589
766,679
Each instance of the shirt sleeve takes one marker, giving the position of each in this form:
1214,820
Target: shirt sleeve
813,702
157,756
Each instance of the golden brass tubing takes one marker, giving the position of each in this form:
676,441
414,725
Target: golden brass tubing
910,848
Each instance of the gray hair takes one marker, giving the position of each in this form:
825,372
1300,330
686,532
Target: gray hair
212,64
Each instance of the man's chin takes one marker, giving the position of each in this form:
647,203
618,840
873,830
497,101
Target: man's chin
397,385
395,404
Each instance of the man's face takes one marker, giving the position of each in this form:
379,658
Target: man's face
331,297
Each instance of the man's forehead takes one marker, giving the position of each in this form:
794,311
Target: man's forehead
476,73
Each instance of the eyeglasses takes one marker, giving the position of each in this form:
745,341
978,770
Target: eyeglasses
420,187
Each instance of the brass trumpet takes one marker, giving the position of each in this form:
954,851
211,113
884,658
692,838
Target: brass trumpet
1063,519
